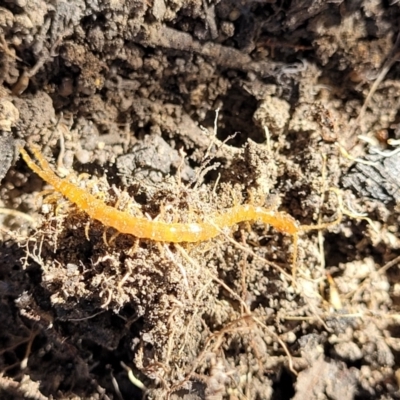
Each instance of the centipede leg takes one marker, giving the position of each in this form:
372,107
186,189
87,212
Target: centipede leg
134,248
87,227
105,237
113,237
60,206
294,255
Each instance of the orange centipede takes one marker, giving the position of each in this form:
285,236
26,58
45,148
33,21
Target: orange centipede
142,228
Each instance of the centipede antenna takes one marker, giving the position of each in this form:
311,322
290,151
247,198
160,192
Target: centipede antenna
40,158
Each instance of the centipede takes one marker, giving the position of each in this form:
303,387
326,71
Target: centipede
209,227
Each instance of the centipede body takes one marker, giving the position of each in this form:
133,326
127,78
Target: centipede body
142,228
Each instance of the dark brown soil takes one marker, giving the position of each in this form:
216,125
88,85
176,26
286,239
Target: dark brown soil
175,111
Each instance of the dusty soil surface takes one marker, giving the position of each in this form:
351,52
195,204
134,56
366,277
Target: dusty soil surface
177,111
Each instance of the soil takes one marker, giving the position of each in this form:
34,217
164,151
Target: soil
178,111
